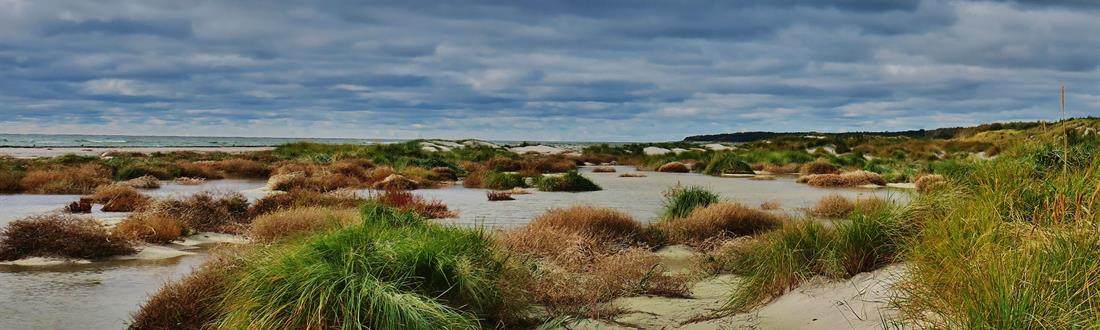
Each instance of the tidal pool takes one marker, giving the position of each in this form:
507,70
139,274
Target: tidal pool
103,295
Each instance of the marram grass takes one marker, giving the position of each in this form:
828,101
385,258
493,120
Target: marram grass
393,271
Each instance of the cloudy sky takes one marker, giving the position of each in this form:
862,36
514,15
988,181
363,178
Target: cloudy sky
540,70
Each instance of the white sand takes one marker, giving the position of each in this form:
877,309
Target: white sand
655,151
539,149
96,151
857,303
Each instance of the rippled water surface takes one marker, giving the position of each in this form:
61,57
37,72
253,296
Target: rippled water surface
103,295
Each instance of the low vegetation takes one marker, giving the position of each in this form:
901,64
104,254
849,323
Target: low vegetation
119,198
570,182
681,201
203,212
499,196
300,221
726,163
60,236
156,229
407,201
502,181
716,221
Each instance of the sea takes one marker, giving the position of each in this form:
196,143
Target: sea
136,141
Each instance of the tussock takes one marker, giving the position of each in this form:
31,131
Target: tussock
929,182
818,167
302,220
143,182
407,201
674,167
63,236
155,229
717,221
603,169
119,198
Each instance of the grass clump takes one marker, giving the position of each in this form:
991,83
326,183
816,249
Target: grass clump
681,201
143,182
63,236
203,211
119,198
502,181
782,259
603,169
716,221
570,181
304,198
407,201
818,167
674,167
726,163
929,182
499,196
154,229
76,179
300,221
586,256
193,302
847,179
392,271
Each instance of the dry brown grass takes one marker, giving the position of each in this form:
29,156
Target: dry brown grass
674,167
848,179
404,200
359,169
203,211
473,179
57,235
818,167
717,221
396,182
203,170
298,221
929,182
632,175
587,256
81,206
187,181
781,169
242,168
763,177
155,229
603,169
303,198
119,198
443,174
833,206
193,302
836,206
79,179
143,182
499,196
9,181
769,205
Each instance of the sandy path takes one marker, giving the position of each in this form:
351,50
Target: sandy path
857,303
96,151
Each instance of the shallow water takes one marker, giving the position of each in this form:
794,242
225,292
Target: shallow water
639,197
103,295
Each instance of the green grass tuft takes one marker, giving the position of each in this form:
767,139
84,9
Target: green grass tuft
680,201
570,181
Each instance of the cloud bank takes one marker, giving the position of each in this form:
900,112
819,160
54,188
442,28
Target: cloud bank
542,70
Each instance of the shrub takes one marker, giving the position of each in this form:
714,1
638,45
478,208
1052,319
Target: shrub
726,163
717,220
499,196
411,273
193,302
303,198
119,198
570,181
59,236
502,181
203,212
407,201
681,201
818,167
302,220
473,179
81,179
674,167
153,229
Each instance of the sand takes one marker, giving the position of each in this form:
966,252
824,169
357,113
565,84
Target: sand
96,151
857,303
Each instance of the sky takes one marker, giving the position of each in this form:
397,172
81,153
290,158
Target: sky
539,70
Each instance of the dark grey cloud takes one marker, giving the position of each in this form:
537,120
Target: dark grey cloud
560,70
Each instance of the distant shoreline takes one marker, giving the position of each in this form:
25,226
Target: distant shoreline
39,152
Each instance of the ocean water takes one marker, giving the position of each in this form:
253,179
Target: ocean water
138,141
